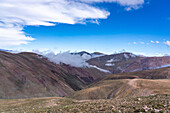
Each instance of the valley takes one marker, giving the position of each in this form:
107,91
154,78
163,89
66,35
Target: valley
31,82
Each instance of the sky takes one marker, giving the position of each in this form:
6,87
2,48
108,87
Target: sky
108,26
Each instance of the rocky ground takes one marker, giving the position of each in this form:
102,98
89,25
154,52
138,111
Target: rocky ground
150,104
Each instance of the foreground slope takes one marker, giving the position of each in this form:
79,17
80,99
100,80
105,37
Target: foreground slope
156,103
127,85
27,75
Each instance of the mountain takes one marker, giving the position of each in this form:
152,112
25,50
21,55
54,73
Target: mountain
87,53
26,75
128,62
161,73
134,84
98,53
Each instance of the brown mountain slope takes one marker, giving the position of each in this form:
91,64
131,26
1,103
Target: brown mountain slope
128,62
127,85
124,88
29,75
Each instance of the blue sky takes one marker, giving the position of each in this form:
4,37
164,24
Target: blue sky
141,27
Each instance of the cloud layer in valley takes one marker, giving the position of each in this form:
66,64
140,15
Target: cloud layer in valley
66,58
15,14
75,60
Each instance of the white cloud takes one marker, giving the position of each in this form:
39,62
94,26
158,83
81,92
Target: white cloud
15,14
152,41
13,36
167,43
157,42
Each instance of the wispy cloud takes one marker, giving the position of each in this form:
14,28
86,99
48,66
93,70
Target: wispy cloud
135,4
147,43
15,14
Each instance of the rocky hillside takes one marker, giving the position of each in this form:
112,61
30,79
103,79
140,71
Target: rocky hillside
128,62
26,75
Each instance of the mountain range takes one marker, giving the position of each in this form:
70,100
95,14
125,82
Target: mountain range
27,75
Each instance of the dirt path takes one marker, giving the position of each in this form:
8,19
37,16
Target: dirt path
133,83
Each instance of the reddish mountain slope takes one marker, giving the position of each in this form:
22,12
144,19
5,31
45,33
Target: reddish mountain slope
29,75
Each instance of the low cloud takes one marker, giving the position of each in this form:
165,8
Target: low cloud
67,58
15,14
74,60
